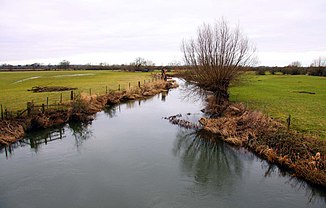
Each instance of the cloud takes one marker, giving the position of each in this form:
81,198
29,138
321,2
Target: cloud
39,30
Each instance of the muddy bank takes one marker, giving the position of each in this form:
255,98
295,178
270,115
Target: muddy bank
302,155
82,108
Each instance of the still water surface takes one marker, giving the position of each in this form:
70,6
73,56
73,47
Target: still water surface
130,157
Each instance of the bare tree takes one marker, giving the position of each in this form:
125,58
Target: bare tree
295,64
139,62
216,57
321,61
64,64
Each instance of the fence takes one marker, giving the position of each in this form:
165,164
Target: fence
32,107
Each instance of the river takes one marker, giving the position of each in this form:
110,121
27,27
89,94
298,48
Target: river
129,156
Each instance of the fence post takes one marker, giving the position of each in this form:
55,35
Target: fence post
47,102
29,108
90,91
139,84
1,112
71,95
119,87
61,98
288,120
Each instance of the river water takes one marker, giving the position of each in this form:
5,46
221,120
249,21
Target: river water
130,157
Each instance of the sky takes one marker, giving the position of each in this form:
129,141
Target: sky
119,31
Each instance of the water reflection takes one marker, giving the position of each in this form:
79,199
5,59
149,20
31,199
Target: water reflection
216,165
111,111
35,140
313,193
207,159
81,132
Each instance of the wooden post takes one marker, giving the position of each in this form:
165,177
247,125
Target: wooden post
288,120
90,91
129,85
61,98
138,84
47,102
29,108
1,112
119,87
71,95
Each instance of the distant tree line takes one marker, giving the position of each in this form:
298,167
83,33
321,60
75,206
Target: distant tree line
292,70
316,68
140,64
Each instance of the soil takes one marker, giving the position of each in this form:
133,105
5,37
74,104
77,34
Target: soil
51,89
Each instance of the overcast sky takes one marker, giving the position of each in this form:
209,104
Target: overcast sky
118,31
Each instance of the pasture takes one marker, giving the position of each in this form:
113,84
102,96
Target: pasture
14,86
302,97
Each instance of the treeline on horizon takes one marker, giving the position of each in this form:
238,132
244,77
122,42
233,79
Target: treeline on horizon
261,70
291,70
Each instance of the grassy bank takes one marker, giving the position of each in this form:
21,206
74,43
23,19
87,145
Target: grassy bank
82,108
14,85
279,95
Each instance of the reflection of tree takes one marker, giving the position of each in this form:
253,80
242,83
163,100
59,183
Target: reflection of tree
313,193
111,111
210,161
215,165
80,131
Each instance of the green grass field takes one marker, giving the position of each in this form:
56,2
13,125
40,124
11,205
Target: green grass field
14,85
278,96
275,95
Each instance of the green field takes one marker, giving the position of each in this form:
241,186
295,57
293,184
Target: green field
275,95
14,85
278,96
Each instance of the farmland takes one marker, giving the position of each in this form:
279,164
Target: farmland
276,95
302,97
15,85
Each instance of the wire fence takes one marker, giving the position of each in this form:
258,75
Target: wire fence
63,100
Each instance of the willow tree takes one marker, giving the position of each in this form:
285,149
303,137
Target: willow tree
216,57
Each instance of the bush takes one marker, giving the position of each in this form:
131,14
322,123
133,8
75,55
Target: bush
260,71
79,105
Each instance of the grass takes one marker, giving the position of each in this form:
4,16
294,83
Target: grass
278,96
14,85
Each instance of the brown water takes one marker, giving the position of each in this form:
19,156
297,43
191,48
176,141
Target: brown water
130,157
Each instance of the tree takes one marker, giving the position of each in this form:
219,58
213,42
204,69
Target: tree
217,56
295,64
139,62
64,64
321,61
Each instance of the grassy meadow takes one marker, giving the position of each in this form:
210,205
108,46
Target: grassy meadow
278,96
14,85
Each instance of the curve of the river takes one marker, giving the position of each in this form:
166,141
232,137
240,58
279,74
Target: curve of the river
130,157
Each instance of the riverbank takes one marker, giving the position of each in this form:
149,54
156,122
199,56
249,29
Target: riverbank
82,108
302,155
